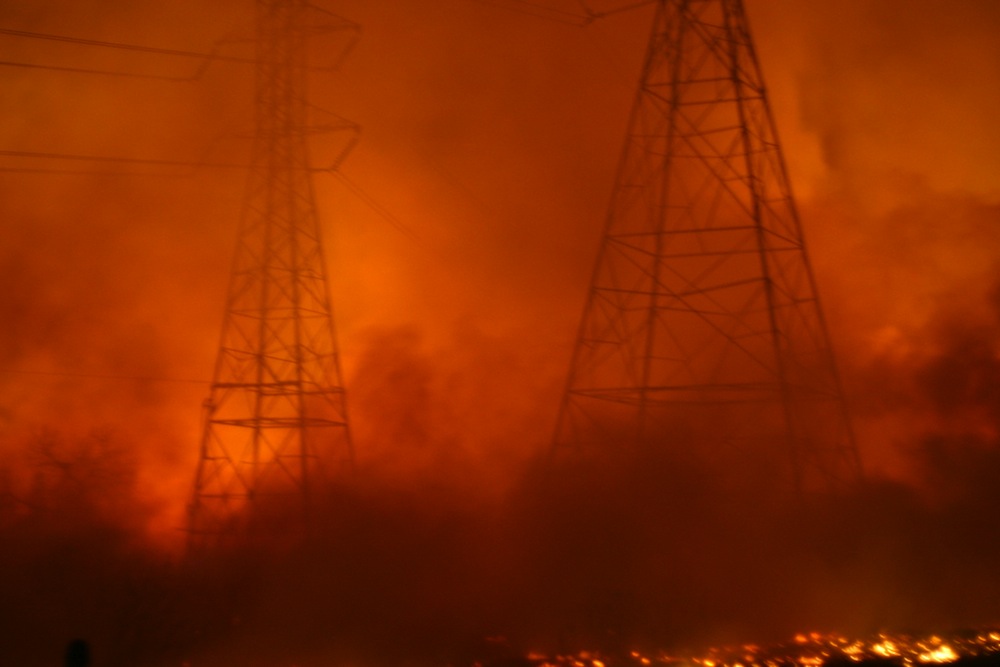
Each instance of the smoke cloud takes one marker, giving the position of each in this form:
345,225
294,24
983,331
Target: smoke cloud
490,138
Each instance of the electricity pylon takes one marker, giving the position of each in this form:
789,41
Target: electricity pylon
702,331
275,423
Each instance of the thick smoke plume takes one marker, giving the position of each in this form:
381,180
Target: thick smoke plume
490,139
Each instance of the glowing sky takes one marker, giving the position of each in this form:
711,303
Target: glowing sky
489,140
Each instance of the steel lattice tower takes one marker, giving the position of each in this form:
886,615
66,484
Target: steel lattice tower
702,330
275,421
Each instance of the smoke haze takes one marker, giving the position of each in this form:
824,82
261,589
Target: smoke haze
490,139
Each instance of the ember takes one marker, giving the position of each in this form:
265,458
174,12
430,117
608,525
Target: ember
810,650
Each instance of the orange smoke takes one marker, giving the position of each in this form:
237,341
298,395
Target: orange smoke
489,144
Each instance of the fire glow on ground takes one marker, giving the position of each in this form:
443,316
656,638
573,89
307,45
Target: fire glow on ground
808,650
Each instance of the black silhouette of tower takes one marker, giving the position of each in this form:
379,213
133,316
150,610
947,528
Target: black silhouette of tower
702,331
276,423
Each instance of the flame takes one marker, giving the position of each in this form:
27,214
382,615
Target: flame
943,653
886,649
809,650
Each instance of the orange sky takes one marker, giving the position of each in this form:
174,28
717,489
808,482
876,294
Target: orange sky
491,136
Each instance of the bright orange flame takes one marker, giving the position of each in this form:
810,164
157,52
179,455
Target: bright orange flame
886,648
943,653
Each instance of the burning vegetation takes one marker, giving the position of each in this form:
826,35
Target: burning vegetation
814,649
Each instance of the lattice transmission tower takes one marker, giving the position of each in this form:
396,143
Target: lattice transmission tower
275,425
702,331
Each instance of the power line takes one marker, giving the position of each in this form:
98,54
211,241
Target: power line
125,46
561,15
80,172
155,162
102,376
350,184
206,56
87,70
374,205
618,10
116,159
540,11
